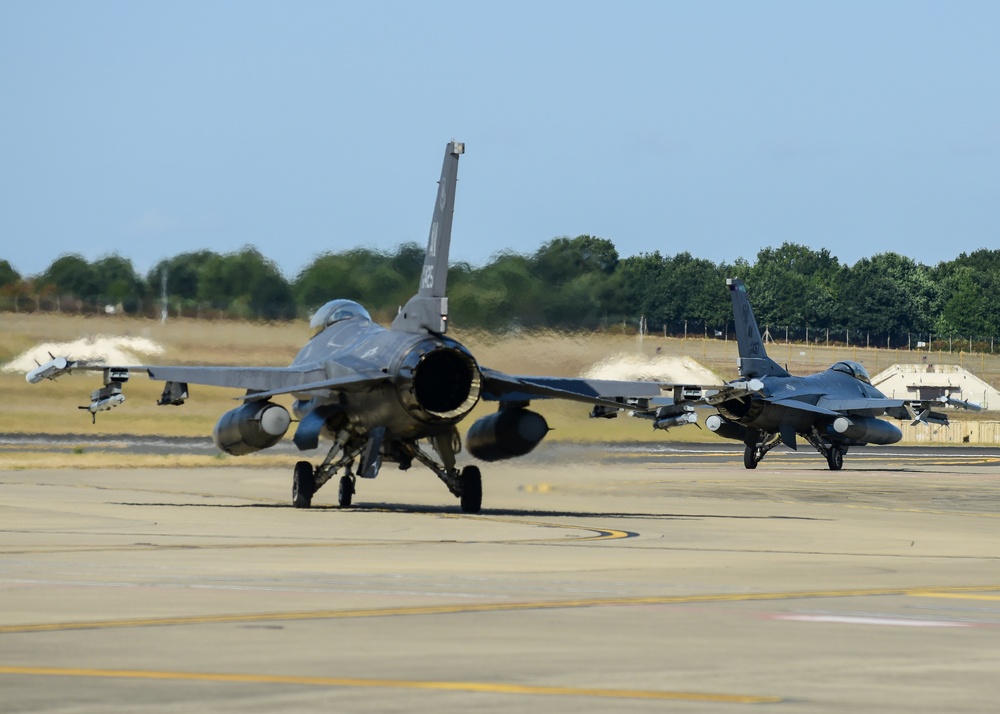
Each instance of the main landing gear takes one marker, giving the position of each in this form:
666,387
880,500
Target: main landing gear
757,447
834,453
466,485
759,444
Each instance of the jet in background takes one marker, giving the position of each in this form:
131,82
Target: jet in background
833,410
376,393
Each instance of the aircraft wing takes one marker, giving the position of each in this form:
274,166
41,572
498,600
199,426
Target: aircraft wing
859,405
917,411
259,382
266,382
501,387
258,379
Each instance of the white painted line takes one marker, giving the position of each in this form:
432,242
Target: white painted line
855,620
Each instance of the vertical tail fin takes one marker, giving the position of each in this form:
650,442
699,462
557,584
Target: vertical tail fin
753,360
427,311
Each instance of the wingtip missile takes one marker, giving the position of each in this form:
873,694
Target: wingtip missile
952,402
56,367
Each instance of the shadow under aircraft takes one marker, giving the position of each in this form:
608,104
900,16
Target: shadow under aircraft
376,393
833,410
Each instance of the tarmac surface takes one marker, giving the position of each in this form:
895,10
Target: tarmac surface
595,579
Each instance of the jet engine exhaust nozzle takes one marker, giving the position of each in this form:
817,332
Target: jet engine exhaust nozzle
441,382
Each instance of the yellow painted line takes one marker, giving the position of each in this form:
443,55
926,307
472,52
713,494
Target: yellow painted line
465,608
479,687
956,596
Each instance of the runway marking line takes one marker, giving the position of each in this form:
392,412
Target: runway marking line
867,620
465,608
956,596
478,687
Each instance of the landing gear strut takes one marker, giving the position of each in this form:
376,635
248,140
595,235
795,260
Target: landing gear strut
466,485
834,453
756,448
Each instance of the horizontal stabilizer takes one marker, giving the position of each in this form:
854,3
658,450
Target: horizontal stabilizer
353,383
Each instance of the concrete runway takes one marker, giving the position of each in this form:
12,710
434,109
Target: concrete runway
625,581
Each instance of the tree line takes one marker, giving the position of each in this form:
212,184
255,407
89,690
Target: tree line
568,283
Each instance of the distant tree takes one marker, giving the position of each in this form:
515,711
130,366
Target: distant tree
562,259
573,278
71,276
331,276
967,303
501,294
183,274
887,294
118,283
794,286
12,288
408,262
247,285
7,274
667,290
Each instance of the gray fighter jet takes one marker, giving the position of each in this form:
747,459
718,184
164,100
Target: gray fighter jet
832,410
375,392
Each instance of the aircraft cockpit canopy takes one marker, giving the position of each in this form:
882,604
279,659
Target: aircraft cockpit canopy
855,369
335,311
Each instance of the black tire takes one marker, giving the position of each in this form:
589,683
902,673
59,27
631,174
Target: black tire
346,492
835,458
303,484
471,482
750,457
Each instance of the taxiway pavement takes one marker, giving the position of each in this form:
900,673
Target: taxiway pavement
616,580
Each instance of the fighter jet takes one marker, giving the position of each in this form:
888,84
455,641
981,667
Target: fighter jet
833,410
376,393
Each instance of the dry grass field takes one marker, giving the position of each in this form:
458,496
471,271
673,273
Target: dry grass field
51,407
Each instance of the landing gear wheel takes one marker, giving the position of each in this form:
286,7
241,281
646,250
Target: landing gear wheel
750,459
346,492
835,459
303,484
471,482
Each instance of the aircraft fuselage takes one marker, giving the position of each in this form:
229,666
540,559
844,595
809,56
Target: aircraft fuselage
766,413
432,381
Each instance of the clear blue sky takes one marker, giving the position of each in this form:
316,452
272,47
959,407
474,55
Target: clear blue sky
717,128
